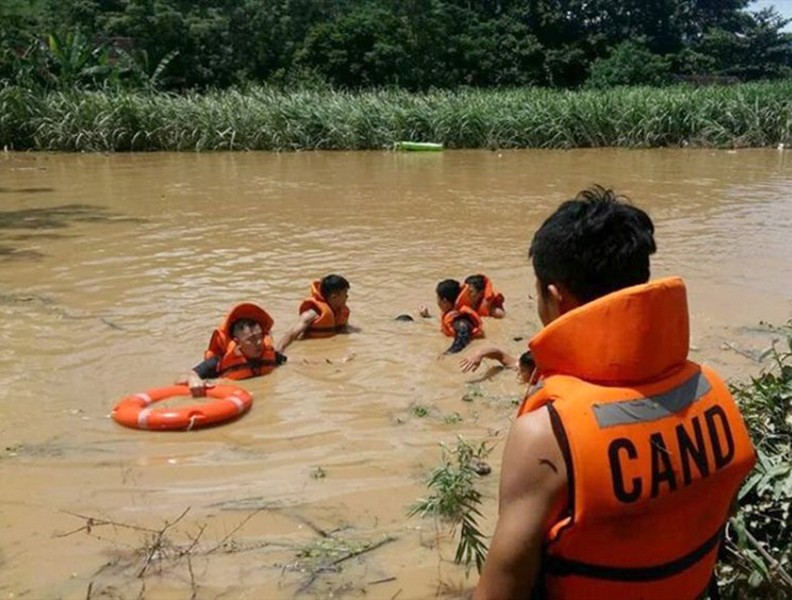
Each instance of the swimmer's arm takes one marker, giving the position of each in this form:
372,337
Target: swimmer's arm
473,361
297,330
194,379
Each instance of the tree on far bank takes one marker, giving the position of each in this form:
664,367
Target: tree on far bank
414,44
630,63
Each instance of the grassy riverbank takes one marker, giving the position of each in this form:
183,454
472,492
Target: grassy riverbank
756,560
747,115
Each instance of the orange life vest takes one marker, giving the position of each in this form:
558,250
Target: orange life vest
490,301
655,446
233,364
328,323
448,319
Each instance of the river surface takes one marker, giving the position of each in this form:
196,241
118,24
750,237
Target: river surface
114,269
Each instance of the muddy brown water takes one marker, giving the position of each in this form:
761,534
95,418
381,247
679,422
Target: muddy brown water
114,270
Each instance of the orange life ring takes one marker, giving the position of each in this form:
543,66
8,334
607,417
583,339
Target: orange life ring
136,411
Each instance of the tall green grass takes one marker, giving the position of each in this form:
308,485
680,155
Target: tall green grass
261,118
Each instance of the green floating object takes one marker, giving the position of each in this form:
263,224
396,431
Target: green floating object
418,146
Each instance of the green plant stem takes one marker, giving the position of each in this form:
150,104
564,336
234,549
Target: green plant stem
775,565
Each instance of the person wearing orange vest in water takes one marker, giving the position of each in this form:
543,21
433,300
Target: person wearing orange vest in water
478,294
462,324
619,474
240,348
323,314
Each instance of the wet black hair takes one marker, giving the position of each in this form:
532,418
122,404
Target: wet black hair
527,360
476,281
332,284
238,326
448,289
593,245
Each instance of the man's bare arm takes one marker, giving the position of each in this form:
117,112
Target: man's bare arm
473,361
532,492
297,330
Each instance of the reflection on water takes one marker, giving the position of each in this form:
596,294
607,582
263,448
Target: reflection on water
113,279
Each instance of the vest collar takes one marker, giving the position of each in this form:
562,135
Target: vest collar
637,334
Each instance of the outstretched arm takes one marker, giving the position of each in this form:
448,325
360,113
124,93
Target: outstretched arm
532,492
194,379
473,360
297,330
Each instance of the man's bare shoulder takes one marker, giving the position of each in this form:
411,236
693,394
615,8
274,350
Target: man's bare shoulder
533,459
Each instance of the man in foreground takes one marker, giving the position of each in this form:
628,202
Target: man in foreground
619,474
240,348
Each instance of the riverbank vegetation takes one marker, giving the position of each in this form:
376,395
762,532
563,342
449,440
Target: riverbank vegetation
265,118
128,75
454,500
415,45
756,556
756,559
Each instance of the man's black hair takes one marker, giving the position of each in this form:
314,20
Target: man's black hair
527,360
448,289
476,281
593,245
331,284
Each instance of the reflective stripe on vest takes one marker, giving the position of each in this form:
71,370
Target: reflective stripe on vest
652,408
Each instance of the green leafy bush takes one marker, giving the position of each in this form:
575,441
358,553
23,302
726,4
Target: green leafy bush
758,550
455,500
